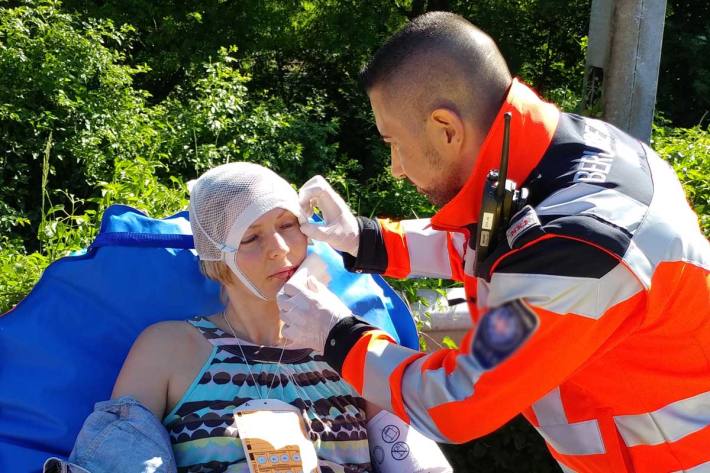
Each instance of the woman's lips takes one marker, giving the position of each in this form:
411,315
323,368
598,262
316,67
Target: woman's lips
284,274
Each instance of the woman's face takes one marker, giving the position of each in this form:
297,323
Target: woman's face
271,250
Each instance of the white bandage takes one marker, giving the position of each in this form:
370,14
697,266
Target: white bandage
396,447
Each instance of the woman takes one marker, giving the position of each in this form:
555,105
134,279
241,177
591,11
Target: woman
193,375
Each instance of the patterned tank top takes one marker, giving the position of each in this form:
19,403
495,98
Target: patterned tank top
333,412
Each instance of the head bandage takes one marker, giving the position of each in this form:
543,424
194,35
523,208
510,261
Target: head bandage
226,200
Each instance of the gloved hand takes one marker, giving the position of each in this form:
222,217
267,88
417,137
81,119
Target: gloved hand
339,229
309,310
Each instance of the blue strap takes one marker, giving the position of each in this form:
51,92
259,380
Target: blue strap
144,240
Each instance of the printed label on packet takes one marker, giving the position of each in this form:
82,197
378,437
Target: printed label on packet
274,438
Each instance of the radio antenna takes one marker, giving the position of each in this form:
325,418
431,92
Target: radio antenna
503,172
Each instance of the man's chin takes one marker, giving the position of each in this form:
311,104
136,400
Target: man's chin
438,197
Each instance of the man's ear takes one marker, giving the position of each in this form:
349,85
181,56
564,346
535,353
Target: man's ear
445,130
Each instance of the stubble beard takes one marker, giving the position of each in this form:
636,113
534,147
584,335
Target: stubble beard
446,186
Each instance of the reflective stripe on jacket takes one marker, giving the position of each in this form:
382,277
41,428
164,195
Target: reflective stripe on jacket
610,258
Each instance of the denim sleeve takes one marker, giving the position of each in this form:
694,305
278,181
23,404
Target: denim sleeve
119,435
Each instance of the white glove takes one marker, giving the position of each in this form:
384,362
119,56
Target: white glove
309,310
339,229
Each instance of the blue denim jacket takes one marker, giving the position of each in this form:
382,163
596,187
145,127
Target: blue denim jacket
120,435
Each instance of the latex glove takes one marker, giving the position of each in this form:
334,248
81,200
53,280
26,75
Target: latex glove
309,311
339,228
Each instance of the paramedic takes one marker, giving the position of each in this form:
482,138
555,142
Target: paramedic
592,314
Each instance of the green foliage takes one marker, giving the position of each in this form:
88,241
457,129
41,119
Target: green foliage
215,120
18,273
64,77
542,46
69,227
684,76
688,151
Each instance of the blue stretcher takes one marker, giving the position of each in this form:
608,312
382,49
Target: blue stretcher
62,347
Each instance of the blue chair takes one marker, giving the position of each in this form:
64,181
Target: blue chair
62,347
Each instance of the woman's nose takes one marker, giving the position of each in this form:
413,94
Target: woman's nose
277,245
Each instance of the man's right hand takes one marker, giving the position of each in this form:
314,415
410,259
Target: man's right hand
339,228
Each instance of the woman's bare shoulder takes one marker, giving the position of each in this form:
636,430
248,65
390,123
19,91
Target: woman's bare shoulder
158,352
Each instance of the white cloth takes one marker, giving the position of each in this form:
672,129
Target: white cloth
396,447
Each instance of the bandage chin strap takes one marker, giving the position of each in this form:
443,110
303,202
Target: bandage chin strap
230,260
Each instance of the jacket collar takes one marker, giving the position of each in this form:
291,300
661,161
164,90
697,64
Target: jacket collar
531,128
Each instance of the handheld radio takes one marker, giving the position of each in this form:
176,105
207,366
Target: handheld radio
499,203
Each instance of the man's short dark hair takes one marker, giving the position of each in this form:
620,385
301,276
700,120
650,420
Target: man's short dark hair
440,59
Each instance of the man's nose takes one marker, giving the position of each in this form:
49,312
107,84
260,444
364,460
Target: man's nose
396,166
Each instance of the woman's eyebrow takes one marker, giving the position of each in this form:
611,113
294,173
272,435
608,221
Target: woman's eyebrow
258,225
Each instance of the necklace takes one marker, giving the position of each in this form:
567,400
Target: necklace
246,361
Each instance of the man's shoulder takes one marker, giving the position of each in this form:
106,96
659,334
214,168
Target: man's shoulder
593,161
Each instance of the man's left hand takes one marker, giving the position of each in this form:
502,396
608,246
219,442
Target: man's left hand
309,311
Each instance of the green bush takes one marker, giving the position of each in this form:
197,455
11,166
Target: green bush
66,228
688,151
64,86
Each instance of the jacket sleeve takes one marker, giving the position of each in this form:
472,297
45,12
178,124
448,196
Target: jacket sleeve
407,248
582,298
119,435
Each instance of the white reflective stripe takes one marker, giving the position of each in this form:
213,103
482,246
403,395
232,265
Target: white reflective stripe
639,264
608,205
578,438
435,387
670,230
428,249
424,389
702,468
458,242
589,297
380,362
565,468
667,424
549,409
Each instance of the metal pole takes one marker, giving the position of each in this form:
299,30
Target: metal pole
597,54
631,74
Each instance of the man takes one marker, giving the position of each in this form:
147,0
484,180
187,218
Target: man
592,311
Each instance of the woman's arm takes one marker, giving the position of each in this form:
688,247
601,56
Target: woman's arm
149,366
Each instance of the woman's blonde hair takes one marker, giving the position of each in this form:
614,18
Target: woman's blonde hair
220,272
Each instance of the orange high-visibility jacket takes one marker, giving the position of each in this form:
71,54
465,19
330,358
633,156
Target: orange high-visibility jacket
609,257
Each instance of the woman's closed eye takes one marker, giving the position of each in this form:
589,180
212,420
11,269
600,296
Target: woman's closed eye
289,224
249,239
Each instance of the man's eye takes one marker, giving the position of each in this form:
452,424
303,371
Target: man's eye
288,225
